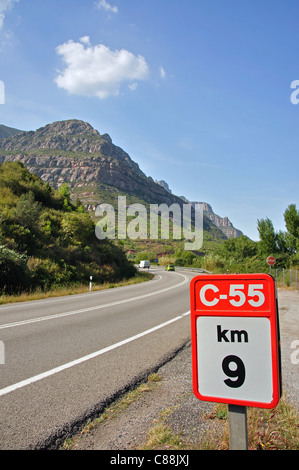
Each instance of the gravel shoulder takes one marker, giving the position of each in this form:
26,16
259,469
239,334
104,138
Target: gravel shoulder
128,430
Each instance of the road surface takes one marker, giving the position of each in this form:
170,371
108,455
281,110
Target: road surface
65,358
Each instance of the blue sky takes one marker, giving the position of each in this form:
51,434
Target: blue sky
197,92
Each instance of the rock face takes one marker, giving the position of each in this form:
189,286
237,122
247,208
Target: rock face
73,152
164,185
223,223
71,138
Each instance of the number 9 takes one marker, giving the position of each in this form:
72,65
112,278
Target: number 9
239,372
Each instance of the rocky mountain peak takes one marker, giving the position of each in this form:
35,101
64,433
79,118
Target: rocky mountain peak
66,137
73,152
69,127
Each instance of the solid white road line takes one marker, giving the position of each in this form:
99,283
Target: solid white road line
66,298
43,375
89,309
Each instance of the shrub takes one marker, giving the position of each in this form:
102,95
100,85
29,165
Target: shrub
14,273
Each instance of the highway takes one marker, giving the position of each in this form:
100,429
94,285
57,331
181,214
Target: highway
67,357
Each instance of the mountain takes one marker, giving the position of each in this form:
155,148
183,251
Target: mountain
96,170
223,223
8,131
73,152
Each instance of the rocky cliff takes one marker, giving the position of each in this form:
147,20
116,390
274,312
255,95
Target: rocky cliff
223,223
96,170
74,152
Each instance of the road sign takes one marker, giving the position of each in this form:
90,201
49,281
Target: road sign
235,339
271,260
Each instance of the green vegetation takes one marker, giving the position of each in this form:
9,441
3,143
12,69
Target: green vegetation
242,254
48,241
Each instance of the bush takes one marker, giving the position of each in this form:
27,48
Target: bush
48,241
14,273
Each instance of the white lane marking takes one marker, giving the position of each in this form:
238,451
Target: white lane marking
43,375
89,309
19,305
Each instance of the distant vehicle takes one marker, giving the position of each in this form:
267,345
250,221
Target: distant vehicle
144,264
170,267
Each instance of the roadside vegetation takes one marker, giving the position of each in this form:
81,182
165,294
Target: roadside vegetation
276,429
48,241
240,254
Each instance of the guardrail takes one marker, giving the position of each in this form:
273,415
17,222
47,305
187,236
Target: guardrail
197,270
180,268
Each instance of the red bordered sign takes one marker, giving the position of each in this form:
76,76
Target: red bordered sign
235,339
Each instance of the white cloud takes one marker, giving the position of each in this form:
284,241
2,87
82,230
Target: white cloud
106,6
98,71
85,40
133,86
5,6
162,72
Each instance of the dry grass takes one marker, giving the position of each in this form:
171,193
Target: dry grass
275,429
72,290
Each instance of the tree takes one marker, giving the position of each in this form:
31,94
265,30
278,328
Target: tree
238,248
65,193
267,235
14,273
291,218
27,210
78,228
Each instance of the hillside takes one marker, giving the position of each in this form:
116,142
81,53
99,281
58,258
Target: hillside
96,170
8,131
46,240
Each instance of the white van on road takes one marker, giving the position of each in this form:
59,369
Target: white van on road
144,264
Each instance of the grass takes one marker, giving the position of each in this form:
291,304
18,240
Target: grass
161,436
274,429
268,429
72,290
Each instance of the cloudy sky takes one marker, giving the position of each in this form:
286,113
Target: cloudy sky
198,92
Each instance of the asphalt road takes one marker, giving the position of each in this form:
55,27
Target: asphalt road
67,357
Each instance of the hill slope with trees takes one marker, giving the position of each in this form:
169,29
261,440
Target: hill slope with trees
46,240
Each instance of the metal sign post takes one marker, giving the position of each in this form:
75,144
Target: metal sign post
235,345
271,261
237,422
